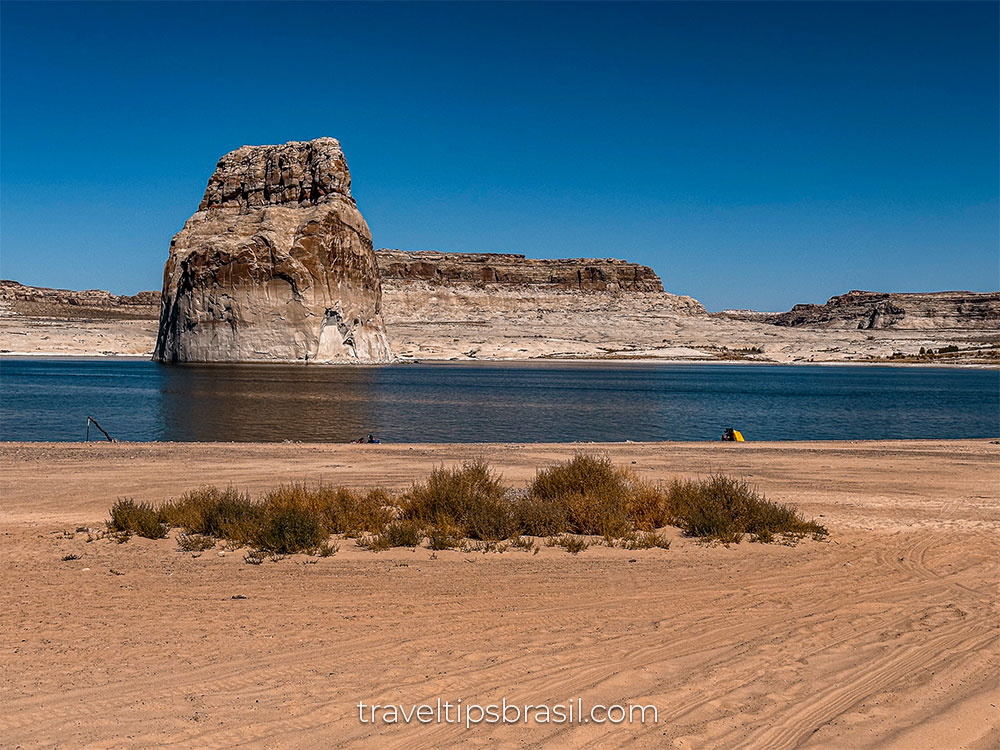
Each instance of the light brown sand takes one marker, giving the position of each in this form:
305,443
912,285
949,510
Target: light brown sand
886,636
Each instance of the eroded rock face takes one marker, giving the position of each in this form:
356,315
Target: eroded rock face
509,270
276,265
914,311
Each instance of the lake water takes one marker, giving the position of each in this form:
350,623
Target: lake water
476,402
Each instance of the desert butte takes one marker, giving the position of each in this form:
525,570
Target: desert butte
883,636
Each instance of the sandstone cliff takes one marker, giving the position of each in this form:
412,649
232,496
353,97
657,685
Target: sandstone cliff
277,264
510,270
504,306
917,311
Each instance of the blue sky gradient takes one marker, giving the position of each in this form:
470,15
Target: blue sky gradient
754,154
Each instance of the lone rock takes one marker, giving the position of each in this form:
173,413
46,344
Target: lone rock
276,265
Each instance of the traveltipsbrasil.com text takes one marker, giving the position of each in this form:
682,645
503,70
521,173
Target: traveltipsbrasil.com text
504,712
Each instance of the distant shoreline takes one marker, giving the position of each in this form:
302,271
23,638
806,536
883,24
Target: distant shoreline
85,357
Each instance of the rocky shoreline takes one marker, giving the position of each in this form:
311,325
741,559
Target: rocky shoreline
472,320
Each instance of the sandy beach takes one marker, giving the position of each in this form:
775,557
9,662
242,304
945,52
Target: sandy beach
884,636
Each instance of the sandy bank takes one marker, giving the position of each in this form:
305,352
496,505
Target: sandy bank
885,636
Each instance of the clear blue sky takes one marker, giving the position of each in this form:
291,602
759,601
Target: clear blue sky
755,155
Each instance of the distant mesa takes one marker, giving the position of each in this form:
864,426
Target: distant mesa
896,310
42,302
514,270
276,265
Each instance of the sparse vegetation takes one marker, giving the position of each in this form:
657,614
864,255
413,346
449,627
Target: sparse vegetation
128,516
444,536
401,533
572,544
195,542
523,542
646,540
725,509
326,549
468,507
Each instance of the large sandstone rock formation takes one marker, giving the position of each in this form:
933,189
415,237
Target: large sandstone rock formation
915,311
509,269
276,265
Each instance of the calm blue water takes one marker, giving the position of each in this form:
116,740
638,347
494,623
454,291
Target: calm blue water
135,400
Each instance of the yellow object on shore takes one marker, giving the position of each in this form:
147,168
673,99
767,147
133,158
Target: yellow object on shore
738,436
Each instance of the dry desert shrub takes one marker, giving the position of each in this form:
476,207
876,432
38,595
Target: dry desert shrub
591,494
537,517
141,519
285,530
645,540
725,509
444,535
195,542
572,544
340,510
523,542
468,507
472,498
398,533
224,514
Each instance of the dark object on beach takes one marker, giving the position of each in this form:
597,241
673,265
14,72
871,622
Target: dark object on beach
370,439
91,419
732,435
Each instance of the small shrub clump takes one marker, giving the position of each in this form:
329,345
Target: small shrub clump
590,494
572,544
402,533
141,519
725,509
472,498
646,540
523,542
444,536
224,514
195,542
290,529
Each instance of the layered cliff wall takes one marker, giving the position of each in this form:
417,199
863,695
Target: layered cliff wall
35,301
514,270
276,265
880,310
